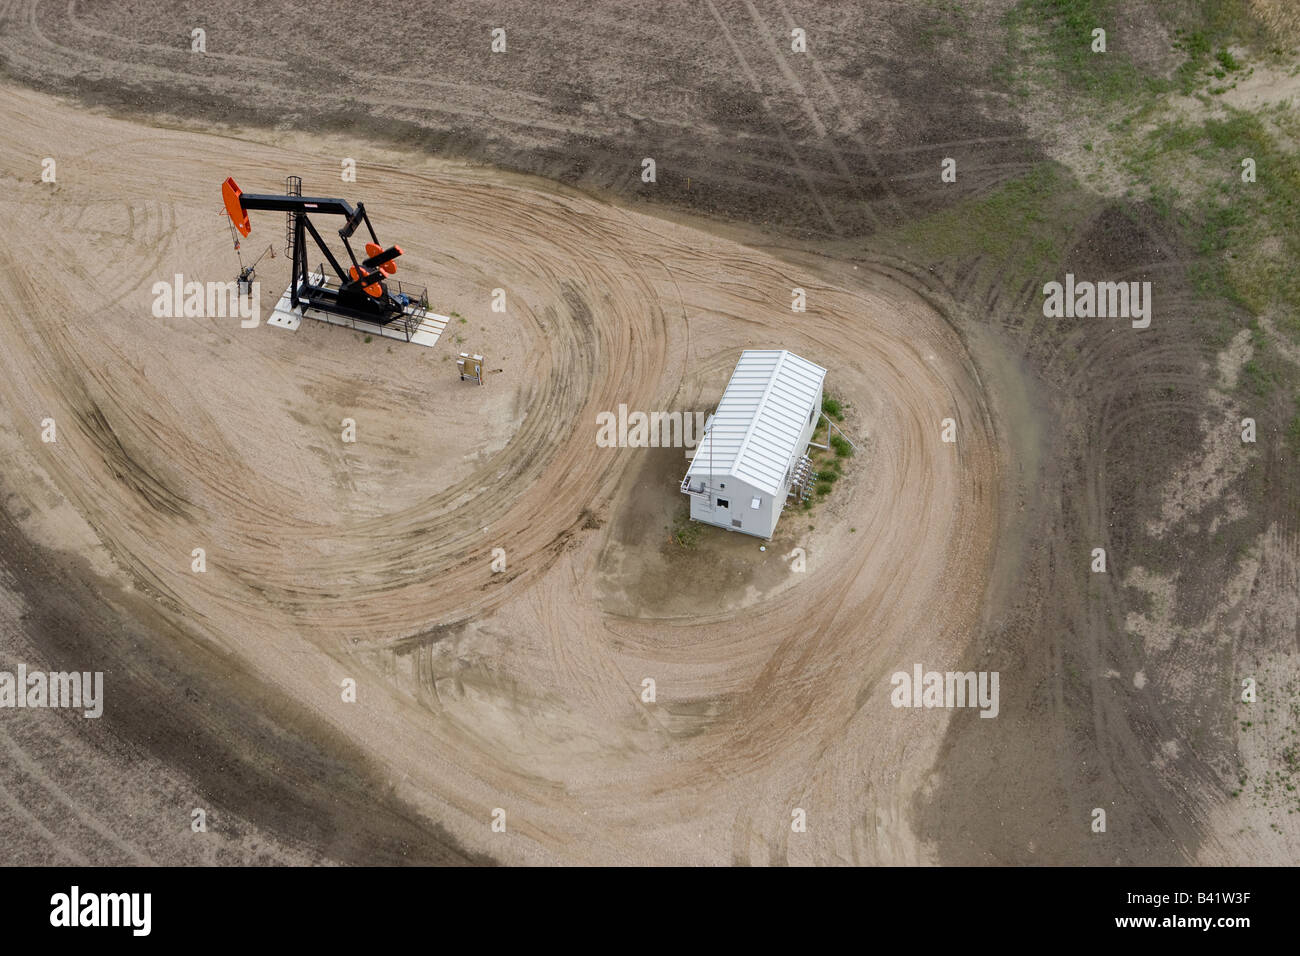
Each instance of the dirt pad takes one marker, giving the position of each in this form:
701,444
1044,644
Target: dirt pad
372,560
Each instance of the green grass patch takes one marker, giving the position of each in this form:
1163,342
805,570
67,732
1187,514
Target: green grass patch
1023,227
686,533
1053,40
1258,379
1227,61
1209,27
1293,434
1247,234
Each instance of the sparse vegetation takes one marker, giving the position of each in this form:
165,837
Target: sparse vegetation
1021,230
1248,239
686,533
827,462
1221,175
1059,36
1227,61
1257,379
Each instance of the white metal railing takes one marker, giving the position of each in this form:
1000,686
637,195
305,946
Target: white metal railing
414,310
700,492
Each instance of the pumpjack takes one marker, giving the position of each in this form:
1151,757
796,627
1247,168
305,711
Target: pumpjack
362,291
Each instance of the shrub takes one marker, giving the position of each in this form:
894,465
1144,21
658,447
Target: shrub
1227,60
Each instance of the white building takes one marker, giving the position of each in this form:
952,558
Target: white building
754,446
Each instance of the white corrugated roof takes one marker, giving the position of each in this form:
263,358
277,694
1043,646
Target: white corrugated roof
762,413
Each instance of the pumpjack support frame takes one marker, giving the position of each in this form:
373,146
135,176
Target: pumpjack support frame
362,291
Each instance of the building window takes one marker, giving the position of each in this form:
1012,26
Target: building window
756,503
724,503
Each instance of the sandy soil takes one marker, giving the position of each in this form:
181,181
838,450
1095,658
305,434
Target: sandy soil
520,689
372,560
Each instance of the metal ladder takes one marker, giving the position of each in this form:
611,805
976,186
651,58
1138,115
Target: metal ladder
292,187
